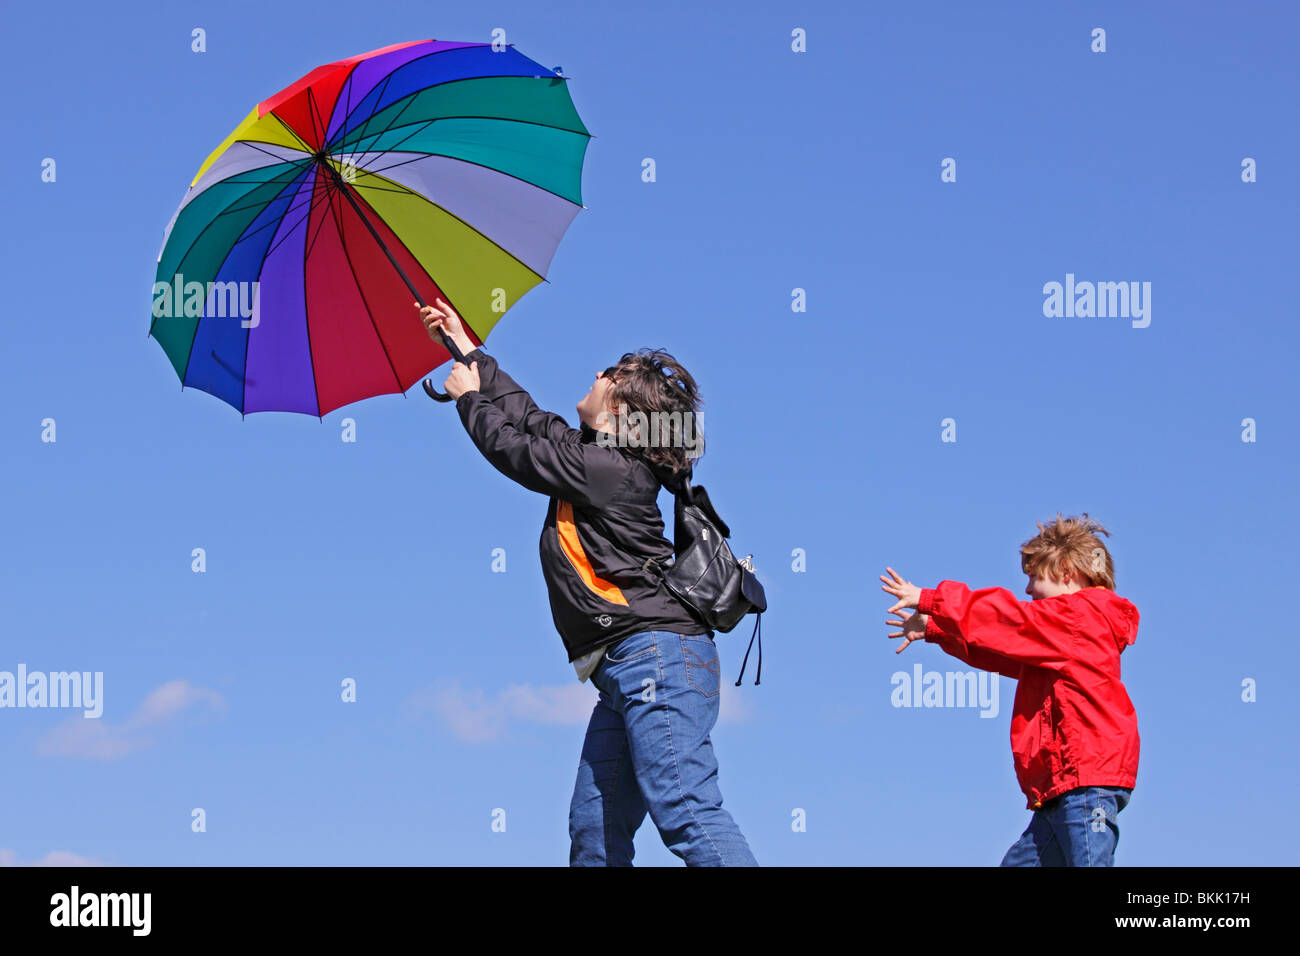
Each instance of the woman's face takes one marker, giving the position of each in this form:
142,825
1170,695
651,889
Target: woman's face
596,402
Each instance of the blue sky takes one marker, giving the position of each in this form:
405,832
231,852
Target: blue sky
776,170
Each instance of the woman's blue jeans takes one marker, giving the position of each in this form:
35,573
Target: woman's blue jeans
647,749
1078,828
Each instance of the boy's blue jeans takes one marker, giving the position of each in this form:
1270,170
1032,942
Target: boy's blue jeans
1077,828
647,749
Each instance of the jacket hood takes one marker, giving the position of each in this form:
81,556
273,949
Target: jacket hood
1120,613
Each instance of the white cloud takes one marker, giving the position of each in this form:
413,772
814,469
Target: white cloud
474,716
96,739
735,708
168,700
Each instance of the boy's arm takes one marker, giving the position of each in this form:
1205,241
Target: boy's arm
1039,633
955,645
584,474
516,404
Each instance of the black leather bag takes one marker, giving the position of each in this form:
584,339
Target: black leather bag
705,576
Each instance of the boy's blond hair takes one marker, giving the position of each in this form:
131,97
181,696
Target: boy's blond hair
1070,544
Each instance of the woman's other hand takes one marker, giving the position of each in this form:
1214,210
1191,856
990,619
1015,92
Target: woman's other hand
463,378
443,316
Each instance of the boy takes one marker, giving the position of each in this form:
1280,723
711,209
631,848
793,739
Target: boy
1074,734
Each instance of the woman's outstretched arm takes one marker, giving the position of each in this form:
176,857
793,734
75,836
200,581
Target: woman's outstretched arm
502,390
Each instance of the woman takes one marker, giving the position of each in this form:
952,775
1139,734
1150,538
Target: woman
647,746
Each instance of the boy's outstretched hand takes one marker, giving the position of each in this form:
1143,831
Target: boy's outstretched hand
912,627
908,594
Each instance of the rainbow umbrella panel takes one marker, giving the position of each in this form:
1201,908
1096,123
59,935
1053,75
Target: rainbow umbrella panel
424,170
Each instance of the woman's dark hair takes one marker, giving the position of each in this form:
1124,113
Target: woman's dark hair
652,382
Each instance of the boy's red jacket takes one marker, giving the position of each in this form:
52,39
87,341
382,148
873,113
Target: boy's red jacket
1072,723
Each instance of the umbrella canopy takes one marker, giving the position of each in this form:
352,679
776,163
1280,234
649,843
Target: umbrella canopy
285,278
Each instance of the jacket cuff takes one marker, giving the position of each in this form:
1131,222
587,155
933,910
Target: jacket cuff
925,605
932,629
467,399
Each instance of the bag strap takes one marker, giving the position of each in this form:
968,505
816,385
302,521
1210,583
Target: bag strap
759,634
681,486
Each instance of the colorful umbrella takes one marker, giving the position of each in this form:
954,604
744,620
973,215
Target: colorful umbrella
419,171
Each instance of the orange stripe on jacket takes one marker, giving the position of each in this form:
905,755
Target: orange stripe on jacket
578,558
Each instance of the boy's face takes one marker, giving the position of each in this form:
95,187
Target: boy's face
1042,585
596,402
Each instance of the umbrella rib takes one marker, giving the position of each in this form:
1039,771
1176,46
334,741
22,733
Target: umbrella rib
279,160
458,159
306,321
371,115
311,204
502,172
329,192
470,226
234,209
287,178
347,103
400,190
294,205
311,112
370,315
498,119
306,146
409,101
253,144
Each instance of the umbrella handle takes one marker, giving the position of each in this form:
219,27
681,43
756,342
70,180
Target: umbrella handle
434,394
457,356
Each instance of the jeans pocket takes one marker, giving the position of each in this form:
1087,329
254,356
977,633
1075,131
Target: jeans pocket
1120,795
703,671
632,648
